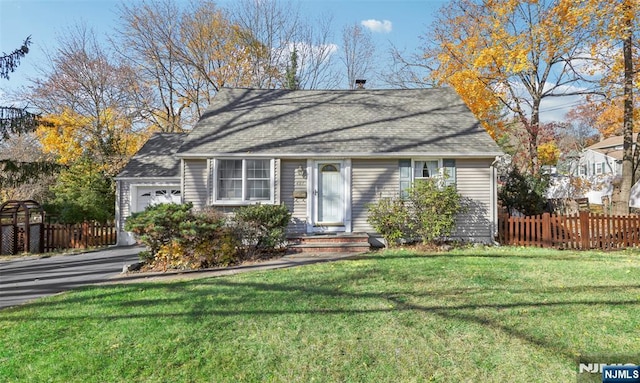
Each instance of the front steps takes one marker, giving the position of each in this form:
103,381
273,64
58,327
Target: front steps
329,243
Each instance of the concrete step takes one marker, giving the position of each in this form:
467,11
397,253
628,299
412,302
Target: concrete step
329,243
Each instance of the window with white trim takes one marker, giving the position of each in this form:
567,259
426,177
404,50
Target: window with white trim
411,170
243,180
599,168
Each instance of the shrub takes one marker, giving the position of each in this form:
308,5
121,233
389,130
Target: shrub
223,249
433,209
178,238
390,218
171,256
262,227
524,193
428,213
158,225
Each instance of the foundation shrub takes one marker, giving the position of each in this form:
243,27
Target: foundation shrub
262,228
427,213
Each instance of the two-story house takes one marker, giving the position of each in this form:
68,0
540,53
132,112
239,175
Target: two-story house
600,164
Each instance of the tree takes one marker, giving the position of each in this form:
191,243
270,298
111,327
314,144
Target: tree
358,52
627,15
613,39
147,38
316,55
272,26
83,191
508,56
18,169
275,29
15,120
86,91
291,78
523,193
217,52
407,70
25,172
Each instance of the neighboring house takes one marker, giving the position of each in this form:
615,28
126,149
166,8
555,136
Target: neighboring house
600,164
327,154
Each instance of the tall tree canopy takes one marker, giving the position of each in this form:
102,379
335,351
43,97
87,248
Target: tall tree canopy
86,99
505,57
20,162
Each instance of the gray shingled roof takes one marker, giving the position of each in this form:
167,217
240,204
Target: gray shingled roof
338,122
156,158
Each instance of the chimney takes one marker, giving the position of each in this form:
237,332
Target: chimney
360,84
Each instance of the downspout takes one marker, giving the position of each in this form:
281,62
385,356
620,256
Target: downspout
119,227
494,200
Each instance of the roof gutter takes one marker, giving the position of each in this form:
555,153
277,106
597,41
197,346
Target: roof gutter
344,155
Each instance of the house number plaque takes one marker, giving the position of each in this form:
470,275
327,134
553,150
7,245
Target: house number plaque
300,183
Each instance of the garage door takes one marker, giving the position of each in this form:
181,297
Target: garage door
148,196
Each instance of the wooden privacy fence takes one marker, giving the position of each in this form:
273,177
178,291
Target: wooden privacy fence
78,236
580,231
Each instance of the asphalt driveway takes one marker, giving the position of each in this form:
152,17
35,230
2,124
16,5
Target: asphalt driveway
27,278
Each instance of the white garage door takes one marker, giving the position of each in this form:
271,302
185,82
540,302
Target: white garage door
154,195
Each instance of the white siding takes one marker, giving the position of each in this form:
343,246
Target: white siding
196,183
297,206
594,163
371,180
474,183
123,198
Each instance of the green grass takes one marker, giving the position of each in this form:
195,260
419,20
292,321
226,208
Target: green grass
490,315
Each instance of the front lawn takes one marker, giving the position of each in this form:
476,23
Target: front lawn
490,315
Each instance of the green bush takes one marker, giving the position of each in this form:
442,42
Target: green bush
158,225
262,227
433,209
390,217
209,241
427,213
178,238
524,193
82,192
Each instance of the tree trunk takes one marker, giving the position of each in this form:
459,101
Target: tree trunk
630,150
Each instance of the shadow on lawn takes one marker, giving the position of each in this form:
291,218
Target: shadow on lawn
566,255
221,297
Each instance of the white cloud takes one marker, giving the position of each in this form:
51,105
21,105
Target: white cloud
373,25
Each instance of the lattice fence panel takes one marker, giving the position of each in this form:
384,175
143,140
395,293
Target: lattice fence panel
7,235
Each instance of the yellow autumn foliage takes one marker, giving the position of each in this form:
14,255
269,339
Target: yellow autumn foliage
548,153
504,56
109,139
61,135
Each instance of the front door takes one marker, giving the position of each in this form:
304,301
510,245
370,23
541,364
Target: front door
330,194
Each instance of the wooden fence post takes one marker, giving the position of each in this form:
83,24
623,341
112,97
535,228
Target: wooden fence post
584,230
546,230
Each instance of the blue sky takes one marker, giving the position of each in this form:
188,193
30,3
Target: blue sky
400,22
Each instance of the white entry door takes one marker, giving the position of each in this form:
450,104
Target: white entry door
330,194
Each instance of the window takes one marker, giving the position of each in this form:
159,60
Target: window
153,195
243,180
583,170
599,168
444,169
425,169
